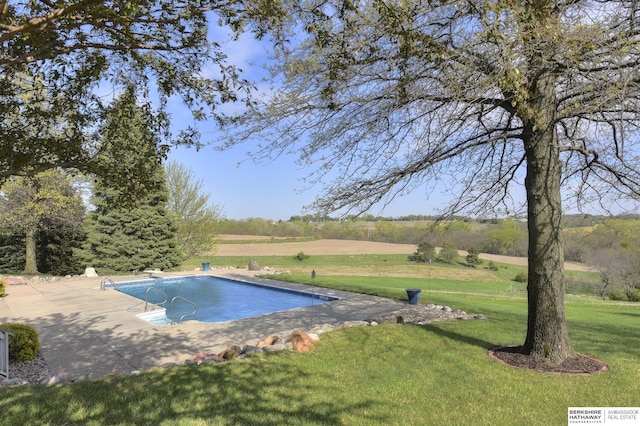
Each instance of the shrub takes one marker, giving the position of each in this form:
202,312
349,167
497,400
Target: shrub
301,256
492,266
634,295
448,253
617,294
3,288
521,277
23,341
472,257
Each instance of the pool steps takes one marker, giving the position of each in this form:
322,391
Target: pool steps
153,317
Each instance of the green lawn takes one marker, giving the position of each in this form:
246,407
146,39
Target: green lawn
390,374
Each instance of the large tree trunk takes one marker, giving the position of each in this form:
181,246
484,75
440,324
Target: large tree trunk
547,336
31,264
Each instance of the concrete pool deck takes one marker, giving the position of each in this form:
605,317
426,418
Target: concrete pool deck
89,332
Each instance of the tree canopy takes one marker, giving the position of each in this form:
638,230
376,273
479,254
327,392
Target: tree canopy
79,54
480,95
452,89
47,201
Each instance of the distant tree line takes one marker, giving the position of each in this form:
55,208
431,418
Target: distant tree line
504,236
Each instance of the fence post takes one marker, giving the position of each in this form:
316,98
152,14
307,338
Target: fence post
4,353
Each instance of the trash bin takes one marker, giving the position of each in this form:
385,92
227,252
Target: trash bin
413,294
205,266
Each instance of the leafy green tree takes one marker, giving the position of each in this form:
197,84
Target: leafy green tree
125,238
197,220
386,232
484,95
71,48
43,202
508,237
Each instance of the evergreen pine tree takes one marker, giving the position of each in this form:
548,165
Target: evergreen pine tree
138,235
12,253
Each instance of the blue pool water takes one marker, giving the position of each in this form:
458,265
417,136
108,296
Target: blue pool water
218,299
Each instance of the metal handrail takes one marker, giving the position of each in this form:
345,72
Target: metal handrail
146,297
195,309
107,280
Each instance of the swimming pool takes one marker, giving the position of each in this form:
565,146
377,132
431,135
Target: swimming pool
217,299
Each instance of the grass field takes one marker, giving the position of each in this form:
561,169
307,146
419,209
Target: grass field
436,374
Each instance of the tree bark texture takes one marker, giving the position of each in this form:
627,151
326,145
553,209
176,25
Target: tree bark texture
31,264
547,336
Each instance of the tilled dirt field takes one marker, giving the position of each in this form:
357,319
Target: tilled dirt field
317,247
328,247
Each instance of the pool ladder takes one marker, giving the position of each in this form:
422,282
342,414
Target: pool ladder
146,304
146,298
195,309
108,281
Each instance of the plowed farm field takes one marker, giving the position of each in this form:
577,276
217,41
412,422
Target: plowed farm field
316,247
251,245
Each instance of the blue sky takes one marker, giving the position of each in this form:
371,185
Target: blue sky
268,190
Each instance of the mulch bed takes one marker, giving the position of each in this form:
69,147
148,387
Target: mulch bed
580,364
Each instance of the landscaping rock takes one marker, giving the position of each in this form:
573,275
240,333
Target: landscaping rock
353,324
59,378
424,314
323,328
202,357
14,280
232,352
253,265
90,273
271,340
275,348
394,320
250,349
300,341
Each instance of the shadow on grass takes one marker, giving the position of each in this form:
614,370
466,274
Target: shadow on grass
256,392
630,314
607,335
459,337
191,394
